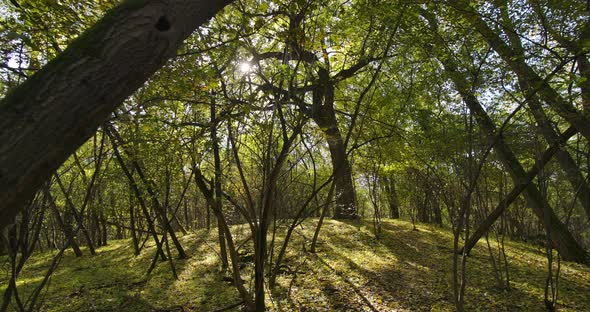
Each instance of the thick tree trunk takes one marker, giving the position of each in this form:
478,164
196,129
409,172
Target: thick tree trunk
49,116
259,263
562,238
346,207
565,160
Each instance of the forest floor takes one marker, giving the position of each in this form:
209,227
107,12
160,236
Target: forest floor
404,270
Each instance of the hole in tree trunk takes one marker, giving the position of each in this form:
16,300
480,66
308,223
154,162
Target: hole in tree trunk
162,24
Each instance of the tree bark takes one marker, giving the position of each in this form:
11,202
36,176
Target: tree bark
105,235
325,118
575,47
561,237
323,113
49,116
134,237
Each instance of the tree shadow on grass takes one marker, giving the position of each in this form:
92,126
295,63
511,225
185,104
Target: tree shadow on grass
418,275
403,270
405,283
116,280
339,300
201,284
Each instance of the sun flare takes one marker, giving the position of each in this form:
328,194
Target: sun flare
245,67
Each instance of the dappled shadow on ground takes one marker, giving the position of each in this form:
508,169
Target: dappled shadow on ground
115,280
411,270
339,300
200,285
89,282
380,277
403,270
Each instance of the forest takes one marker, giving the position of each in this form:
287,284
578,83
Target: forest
294,155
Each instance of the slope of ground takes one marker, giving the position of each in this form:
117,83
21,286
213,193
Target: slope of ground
405,270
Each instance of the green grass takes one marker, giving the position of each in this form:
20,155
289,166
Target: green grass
405,270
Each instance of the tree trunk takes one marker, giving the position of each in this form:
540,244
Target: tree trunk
532,82
66,228
422,214
392,199
217,185
562,238
134,238
436,210
139,196
94,224
105,234
318,227
45,119
560,235
567,163
3,250
161,212
575,47
78,216
346,207
259,261
325,118
209,196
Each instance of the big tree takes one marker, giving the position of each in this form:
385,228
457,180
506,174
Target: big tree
47,117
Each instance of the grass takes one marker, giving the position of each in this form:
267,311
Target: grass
404,270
